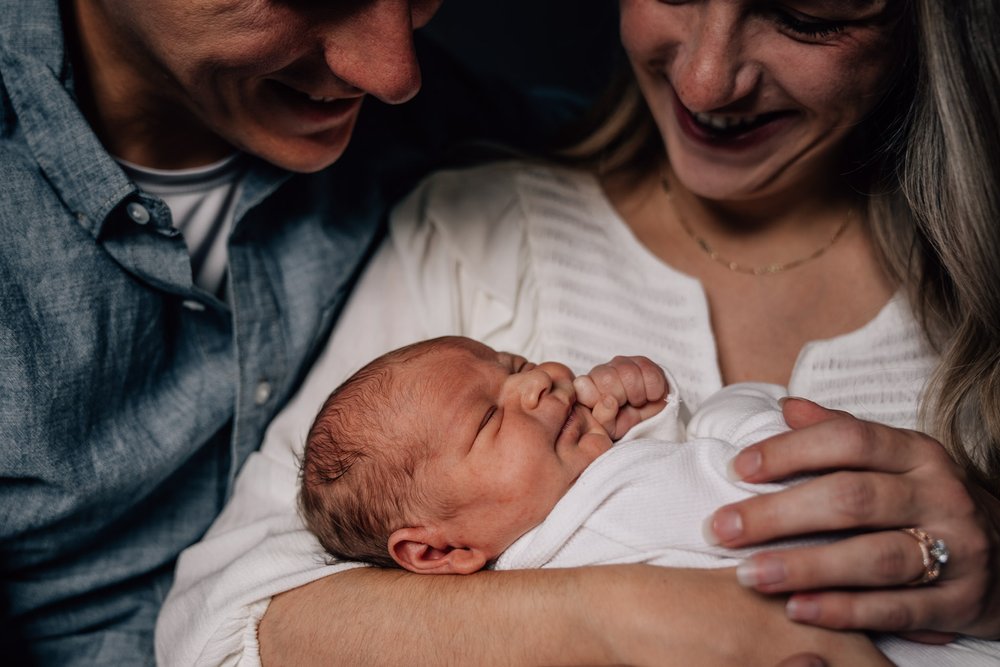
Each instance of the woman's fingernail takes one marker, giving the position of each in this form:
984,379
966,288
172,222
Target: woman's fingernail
726,525
799,609
785,399
761,572
744,464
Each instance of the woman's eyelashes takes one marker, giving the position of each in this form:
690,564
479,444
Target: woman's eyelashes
805,26
798,24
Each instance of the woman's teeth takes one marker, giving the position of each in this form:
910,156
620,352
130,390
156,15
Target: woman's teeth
724,122
322,99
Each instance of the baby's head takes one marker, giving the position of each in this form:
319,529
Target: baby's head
437,456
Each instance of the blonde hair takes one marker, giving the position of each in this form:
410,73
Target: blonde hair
928,156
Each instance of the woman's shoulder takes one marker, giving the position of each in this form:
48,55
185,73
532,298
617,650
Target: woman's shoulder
480,216
460,242
488,192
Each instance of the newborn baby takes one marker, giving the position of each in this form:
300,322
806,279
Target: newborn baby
439,456
446,456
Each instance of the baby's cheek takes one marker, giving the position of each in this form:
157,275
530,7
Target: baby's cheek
593,444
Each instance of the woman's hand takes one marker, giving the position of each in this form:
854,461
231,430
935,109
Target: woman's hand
883,479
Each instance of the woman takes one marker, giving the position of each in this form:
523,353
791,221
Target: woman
817,208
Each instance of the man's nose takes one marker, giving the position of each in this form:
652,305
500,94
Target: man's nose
372,50
711,69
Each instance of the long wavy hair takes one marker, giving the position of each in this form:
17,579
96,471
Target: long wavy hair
928,159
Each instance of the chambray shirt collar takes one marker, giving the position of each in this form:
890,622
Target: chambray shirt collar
38,80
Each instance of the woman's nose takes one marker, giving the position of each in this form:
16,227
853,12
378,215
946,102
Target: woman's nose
711,68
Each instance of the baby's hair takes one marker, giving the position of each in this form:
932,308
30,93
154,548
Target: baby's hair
358,468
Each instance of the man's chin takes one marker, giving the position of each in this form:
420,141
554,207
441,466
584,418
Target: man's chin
307,160
302,154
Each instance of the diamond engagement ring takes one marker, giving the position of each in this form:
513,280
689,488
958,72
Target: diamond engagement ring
933,552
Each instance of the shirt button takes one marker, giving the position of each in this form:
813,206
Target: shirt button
262,392
191,304
137,212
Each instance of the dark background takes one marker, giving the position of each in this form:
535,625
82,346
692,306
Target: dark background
565,43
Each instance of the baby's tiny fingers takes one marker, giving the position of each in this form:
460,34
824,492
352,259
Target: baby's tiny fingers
654,379
606,413
587,392
623,384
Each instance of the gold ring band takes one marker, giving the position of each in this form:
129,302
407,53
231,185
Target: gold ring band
933,552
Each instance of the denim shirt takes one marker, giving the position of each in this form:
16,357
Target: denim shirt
129,397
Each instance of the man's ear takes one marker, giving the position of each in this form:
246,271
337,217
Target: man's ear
420,550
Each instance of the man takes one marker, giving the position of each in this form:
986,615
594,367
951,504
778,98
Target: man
167,279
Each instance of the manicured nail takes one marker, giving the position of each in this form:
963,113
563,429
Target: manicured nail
744,464
726,525
761,572
784,399
799,609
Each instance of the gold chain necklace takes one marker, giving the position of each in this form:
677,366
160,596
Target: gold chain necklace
766,269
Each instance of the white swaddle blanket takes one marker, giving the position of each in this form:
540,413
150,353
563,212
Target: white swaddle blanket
646,501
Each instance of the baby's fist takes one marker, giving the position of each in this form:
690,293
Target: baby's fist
623,392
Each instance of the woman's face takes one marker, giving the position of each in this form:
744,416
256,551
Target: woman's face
754,98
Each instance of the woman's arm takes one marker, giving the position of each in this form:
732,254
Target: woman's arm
887,479
258,546
633,614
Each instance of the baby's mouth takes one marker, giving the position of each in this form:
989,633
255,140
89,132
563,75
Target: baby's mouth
571,421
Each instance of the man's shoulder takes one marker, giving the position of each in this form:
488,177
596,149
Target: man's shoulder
26,193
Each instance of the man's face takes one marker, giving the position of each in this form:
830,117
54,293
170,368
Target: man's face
506,440
281,79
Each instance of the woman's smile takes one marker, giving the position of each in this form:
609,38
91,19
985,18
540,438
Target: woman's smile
731,132
749,108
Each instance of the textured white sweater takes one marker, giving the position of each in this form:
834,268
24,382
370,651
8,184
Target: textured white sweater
647,498
527,259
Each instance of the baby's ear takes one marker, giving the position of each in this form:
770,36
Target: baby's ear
413,549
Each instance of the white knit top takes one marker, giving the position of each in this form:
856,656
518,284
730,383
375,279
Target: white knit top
539,262
528,259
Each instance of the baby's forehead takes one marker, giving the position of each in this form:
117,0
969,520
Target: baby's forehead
461,351
448,367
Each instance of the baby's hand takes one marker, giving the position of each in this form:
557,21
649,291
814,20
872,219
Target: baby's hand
622,393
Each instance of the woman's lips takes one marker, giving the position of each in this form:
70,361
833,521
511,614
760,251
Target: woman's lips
730,132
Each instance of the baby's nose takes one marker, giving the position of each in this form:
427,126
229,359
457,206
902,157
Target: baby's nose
549,377
535,384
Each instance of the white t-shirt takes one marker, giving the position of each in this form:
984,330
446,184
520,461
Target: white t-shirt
202,204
